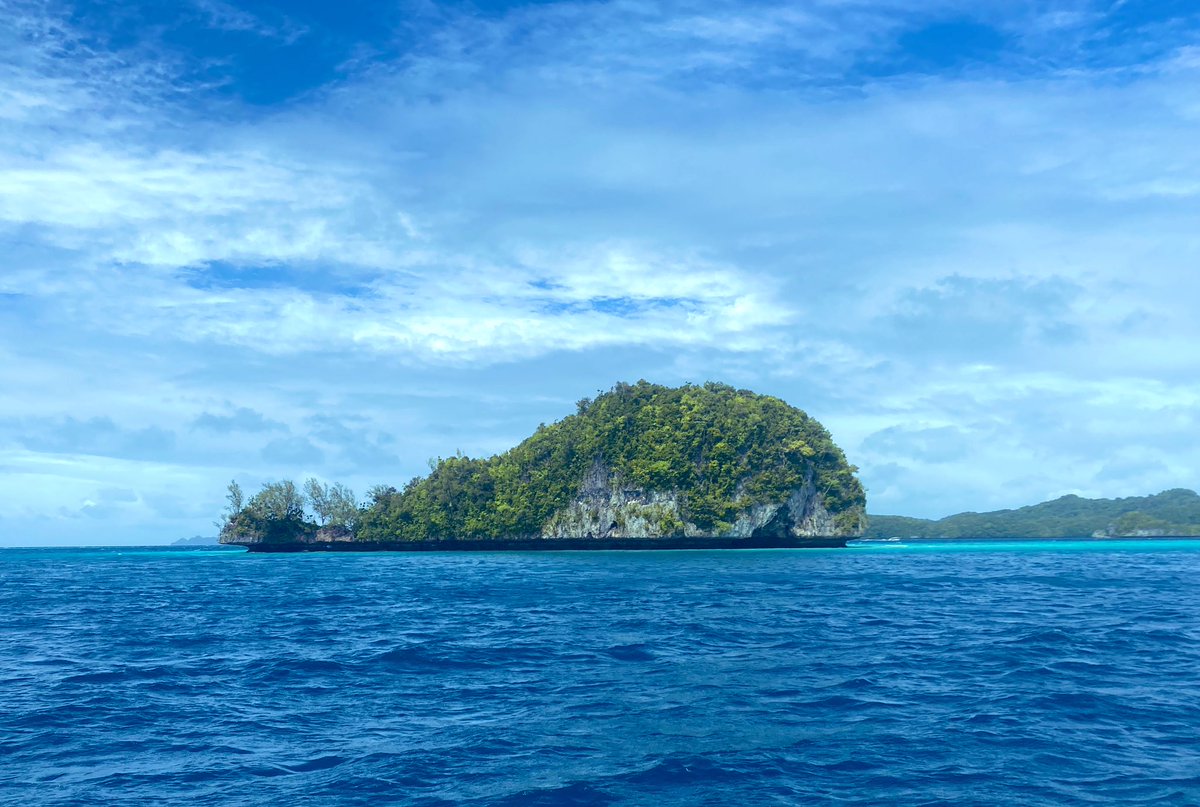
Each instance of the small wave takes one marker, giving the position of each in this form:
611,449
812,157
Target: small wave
333,599
851,765
423,657
576,794
273,769
125,675
683,769
291,668
847,703
52,662
1043,637
631,652
1092,669
855,684
1085,702
317,764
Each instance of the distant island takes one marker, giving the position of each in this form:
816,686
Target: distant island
197,540
1174,513
640,466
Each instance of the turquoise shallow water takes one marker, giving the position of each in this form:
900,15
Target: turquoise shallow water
1056,546
989,673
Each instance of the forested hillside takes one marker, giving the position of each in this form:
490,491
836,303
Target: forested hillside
1172,512
722,450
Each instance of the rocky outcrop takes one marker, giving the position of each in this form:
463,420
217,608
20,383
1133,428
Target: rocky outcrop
606,507
245,530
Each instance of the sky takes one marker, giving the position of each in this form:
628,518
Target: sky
271,239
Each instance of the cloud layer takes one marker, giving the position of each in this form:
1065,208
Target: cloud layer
276,243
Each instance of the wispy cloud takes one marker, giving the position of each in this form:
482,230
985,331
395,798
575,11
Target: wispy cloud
228,17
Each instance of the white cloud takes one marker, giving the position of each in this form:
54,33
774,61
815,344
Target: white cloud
555,197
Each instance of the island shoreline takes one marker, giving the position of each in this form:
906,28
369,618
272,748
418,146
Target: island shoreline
545,544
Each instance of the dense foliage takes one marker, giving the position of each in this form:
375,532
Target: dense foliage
724,449
281,512
333,505
1172,512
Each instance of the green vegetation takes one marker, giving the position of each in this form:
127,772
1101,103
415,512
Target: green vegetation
724,449
333,505
719,450
279,512
1172,512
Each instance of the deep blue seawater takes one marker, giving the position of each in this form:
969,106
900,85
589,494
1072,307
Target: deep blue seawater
947,674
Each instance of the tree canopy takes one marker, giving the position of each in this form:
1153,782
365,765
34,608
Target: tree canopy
281,511
724,449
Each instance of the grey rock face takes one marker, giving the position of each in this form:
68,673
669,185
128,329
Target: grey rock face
245,532
606,507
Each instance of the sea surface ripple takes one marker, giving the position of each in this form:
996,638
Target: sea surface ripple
966,674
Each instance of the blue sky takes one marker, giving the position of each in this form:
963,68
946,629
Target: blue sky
256,240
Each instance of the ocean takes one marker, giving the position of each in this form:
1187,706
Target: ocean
968,673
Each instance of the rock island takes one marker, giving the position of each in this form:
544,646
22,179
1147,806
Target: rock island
641,466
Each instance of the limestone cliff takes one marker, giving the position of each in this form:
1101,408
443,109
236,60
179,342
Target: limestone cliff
246,529
609,507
